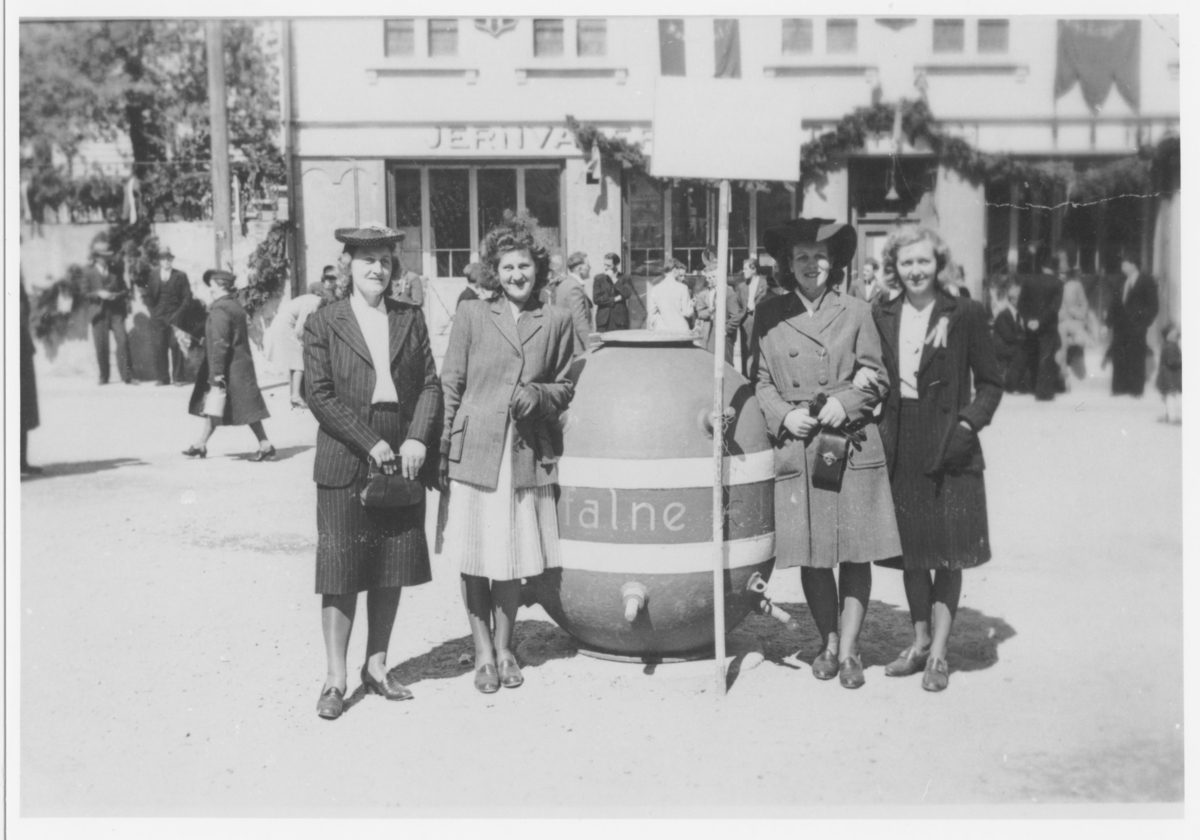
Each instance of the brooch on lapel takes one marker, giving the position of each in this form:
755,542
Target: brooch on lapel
938,337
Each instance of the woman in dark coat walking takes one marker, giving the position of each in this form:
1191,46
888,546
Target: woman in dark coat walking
229,367
373,387
810,341
934,344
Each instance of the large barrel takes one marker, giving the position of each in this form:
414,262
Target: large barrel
635,502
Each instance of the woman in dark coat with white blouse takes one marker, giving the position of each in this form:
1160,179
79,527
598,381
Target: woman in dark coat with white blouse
934,344
373,387
228,366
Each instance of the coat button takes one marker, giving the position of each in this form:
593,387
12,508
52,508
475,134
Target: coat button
795,384
823,379
793,352
821,351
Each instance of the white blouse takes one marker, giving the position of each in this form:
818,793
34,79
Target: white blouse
914,327
373,321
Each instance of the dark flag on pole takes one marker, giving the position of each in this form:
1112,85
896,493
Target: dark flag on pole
671,47
728,49
1097,53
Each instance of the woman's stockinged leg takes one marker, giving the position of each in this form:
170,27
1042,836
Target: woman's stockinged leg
382,606
918,587
477,595
337,619
820,591
506,597
210,426
947,589
854,586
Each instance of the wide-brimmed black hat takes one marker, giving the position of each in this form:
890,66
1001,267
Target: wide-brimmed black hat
218,274
839,238
371,234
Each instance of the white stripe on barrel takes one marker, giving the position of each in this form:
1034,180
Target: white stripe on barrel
663,473
663,558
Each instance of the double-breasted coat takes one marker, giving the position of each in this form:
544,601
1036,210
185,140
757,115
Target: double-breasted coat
340,380
799,356
227,355
489,357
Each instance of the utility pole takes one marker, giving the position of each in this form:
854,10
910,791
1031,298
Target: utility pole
222,212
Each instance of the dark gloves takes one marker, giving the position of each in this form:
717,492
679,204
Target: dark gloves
960,448
443,474
526,402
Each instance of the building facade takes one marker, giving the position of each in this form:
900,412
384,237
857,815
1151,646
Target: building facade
439,125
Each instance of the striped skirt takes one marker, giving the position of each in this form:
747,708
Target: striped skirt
361,548
502,534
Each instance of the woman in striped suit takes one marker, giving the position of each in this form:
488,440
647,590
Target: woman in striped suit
934,344
373,388
505,383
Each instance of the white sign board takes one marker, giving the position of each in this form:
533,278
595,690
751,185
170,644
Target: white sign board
725,128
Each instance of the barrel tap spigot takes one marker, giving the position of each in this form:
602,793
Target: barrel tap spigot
634,595
758,586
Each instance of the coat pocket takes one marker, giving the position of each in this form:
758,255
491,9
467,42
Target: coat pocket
458,434
790,458
869,453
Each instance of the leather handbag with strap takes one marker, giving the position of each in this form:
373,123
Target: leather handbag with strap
390,491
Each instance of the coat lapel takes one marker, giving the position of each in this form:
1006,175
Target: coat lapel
400,321
346,325
812,326
503,321
889,325
530,322
944,307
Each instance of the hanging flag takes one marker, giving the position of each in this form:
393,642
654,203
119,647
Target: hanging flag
1097,53
672,55
727,48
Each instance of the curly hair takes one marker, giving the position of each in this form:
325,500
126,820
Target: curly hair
911,235
345,282
515,233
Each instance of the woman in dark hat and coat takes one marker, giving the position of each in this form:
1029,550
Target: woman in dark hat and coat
811,341
228,366
505,384
373,387
934,344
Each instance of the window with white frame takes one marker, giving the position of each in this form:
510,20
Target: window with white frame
443,36
841,35
592,37
993,36
949,35
399,38
797,36
548,38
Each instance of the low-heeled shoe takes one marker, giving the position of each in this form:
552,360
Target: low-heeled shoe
850,673
196,452
937,675
910,661
510,673
486,679
267,454
331,703
391,688
825,666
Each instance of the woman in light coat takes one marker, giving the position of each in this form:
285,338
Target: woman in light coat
811,341
505,383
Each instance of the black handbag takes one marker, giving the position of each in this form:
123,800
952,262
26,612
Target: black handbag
829,461
390,491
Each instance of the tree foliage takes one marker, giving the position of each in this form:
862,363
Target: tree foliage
147,81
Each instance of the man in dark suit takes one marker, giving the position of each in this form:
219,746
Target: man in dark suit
567,292
613,293
1037,306
750,293
1008,339
1133,310
108,306
166,292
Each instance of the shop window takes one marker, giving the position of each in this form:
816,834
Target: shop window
443,36
548,38
592,36
646,228
797,36
450,220
948,36
672,55
774,209
398,37
497,191
406,200
692,228
542,200
739,227
993,36
841,35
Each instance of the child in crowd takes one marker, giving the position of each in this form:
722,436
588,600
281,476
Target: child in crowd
1170,374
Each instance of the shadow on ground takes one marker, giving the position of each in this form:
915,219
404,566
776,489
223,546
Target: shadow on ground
280,454
535,643
887,630
83,468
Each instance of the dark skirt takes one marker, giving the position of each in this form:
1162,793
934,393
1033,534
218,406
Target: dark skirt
942,519
29,399
362,548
